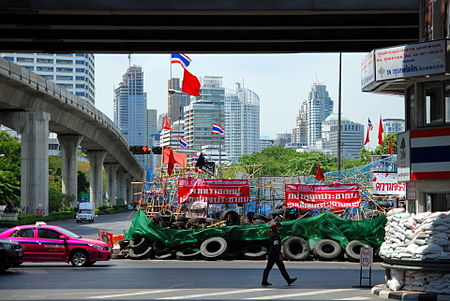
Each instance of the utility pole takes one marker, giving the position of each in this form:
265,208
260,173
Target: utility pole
339,115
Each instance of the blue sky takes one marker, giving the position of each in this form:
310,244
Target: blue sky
282,81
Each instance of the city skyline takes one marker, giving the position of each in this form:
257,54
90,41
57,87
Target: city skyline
282,82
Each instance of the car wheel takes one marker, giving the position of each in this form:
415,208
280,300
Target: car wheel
79,259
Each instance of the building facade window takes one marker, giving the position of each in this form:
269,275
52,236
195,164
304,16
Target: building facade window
44,61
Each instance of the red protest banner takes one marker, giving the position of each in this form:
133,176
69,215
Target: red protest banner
235,191
305,196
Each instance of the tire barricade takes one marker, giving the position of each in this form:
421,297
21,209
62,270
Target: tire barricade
296,246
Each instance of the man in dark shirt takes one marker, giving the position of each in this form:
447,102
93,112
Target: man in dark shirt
274,256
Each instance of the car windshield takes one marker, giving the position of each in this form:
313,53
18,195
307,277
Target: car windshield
67,232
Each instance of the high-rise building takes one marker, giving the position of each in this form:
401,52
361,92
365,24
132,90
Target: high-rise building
241,122
176,101
73,72
319,107
265,142
393,125
283,139
300,132
130,108
352,137
201,113
170,138
151,122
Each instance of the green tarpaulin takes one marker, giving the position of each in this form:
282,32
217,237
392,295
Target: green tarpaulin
322,226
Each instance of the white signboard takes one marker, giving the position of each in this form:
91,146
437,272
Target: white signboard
410,60
387,184
403,157
366,257
367,71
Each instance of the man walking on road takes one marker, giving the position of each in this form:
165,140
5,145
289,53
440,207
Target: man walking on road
274,256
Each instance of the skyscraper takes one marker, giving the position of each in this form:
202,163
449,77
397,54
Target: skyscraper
73,72
352,137
241,122
319,107
300,132
393,125
201,113
176,101
151,122
130,108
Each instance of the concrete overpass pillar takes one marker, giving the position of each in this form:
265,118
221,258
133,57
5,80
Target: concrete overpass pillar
33,127
129,189
69,146
111,182
96,188
121,188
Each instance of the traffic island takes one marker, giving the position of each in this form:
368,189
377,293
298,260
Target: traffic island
383,291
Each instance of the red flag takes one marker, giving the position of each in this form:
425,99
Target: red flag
390,146
319,173
380,132
179,158
170,160
191,84
367,137
166,125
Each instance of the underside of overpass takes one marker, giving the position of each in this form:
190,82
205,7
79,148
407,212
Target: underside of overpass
195,26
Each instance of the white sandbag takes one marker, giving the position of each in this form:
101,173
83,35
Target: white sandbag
432,290
421,249
420,217
395,211
411,248
433,249
393,284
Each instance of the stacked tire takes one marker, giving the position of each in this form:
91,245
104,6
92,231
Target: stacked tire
140,248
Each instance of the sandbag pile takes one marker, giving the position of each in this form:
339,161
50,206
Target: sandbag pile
417,237
429,282
422,236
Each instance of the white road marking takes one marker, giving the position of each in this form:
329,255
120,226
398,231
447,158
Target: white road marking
228,292
131,294
308,293
354,298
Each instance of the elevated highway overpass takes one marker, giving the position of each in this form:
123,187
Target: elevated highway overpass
195,26
33,106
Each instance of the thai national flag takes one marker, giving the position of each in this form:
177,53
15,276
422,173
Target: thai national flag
183,142
194,160
369,124
180,58
218,129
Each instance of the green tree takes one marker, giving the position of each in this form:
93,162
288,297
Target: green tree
380,149
57,201
9,169
280,161
83,183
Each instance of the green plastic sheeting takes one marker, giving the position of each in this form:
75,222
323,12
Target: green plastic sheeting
322,226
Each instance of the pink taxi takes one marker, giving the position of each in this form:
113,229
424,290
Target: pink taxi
46,243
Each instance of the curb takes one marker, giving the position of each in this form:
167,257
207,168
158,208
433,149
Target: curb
382,291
